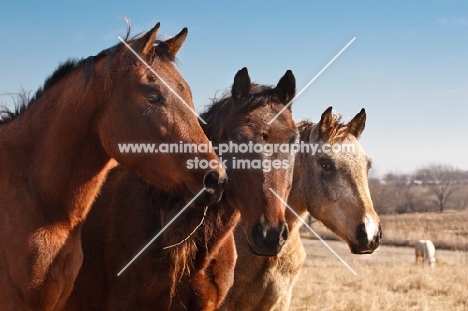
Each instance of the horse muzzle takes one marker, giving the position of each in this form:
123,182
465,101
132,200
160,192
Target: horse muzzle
214,187
268,240
367,242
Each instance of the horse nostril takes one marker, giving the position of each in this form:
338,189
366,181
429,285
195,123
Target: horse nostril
284,232
212,182
259,231
361,233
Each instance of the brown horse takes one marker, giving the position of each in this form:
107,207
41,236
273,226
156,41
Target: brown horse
196,271
331,184
56,151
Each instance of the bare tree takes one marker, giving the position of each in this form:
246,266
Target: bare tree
383,196
441,180
403,191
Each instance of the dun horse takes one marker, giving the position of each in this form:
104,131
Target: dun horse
333,188
191,266
56,151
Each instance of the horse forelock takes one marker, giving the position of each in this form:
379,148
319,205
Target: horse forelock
222,109
336,130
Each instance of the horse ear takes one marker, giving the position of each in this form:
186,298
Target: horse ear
242,84
144,45
173,45
286,87
326,123
357,124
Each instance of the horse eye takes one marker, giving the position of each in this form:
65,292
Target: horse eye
265,136
327,166
153,99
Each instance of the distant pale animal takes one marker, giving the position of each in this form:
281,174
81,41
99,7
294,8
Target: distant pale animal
425,250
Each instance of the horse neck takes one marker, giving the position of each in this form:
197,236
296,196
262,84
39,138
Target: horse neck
296,198
54,150
222,225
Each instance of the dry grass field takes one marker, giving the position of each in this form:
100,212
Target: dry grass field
389,278
447,230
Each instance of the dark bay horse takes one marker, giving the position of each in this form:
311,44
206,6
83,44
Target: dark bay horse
331,184
196,271
56,151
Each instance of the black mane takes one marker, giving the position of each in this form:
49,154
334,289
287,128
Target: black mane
24,101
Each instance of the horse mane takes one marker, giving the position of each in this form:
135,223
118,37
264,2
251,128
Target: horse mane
20,100
216,112
166,205
336,130
64,69
305,127
183,256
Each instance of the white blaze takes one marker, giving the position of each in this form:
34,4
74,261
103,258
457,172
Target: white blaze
372,228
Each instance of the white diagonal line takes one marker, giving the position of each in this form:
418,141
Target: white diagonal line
313,231
160,232
313,79
162,80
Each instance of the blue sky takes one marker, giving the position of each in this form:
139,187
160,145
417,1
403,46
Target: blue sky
408,65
